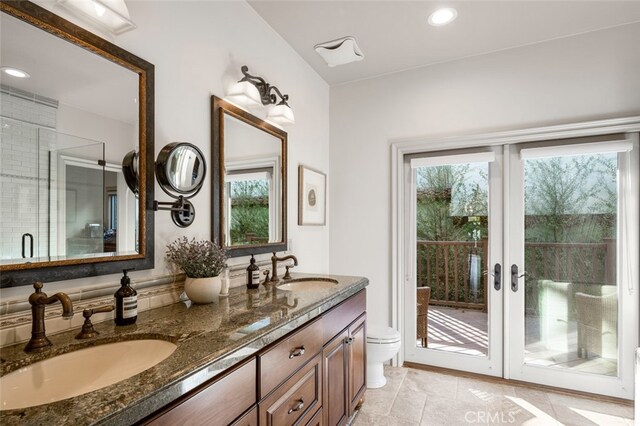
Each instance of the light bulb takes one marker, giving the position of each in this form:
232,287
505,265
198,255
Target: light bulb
14,72
442,16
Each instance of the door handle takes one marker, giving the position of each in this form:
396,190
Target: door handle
24,237
497,276
515,277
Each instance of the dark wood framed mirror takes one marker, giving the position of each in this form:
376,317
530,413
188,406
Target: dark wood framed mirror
79,83
249,181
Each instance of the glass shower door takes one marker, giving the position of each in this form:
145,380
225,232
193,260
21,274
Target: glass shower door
78,200
20,186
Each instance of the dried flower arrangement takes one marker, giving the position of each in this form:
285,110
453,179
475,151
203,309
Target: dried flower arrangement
198,259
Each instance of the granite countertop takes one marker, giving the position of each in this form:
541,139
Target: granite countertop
210,338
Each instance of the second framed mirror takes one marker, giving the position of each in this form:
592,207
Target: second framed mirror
249,200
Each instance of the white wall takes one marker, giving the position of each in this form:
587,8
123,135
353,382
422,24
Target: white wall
197,48
582,78
119,137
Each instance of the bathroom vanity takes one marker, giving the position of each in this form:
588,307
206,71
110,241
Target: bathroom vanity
267,356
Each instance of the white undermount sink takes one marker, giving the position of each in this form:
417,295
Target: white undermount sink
75,373
301,285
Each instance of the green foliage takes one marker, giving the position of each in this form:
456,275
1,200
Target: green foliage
249,210
446,197
198,259
571,199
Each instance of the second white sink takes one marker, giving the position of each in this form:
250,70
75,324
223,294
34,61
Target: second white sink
301,285
79,372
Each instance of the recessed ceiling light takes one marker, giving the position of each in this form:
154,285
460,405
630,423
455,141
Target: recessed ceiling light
15,72
442,16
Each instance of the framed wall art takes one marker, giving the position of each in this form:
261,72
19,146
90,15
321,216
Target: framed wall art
312,196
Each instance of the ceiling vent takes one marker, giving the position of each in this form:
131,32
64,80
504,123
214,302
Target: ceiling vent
339,52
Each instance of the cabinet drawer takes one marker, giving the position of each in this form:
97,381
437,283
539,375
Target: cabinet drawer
297,399
217,404
338,318
316,420
249,419
284,358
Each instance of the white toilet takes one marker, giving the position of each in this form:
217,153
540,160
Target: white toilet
383,343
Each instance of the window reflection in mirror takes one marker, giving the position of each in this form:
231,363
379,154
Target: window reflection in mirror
248,205
252,185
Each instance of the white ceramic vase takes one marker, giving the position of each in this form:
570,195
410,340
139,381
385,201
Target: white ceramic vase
203,290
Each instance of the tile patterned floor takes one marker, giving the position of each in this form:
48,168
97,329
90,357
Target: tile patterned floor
424,398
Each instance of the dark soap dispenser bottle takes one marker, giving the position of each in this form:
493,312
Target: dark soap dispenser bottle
253,274
126,301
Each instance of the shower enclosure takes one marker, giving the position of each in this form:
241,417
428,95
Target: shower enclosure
59,196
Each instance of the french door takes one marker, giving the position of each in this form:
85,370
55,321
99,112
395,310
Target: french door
572,265
522,262
453,297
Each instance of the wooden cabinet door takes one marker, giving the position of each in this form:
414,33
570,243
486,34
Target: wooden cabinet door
335,358
357,343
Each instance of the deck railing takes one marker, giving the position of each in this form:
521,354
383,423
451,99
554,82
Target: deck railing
445,267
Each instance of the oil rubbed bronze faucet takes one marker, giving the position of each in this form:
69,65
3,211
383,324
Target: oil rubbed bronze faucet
38,301
274,266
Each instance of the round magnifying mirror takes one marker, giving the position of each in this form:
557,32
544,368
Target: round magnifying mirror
181,168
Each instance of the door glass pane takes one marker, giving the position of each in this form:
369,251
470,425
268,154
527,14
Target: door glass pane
571,307
80,189
452,249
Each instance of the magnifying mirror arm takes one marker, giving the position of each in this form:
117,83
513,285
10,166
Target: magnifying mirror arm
180,205
182,211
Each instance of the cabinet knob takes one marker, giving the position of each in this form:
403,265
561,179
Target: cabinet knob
297,352
349,340
299,406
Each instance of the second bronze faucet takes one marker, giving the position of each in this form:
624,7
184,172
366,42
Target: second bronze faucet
274,266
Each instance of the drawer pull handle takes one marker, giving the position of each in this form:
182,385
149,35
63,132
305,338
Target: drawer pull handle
297,352
299,406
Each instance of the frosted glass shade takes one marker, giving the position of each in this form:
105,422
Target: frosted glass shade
281,114
113,15
244,93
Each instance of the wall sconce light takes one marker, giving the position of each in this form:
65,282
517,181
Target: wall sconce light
111,15
252,90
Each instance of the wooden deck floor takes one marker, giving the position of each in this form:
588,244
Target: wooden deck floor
465,331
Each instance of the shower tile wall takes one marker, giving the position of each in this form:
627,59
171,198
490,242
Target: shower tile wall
24,172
